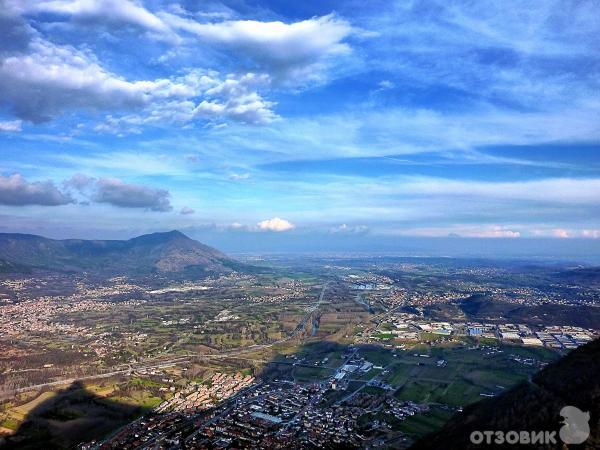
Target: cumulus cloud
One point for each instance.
(186, 211)
(16, 191)
(237, 98)
(118, 193)
(44, 80)
(40, 80)
(293, 53)
(275, 224)
(49, 79)
(10, 125)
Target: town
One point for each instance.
(357, 353)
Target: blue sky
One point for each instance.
(301, 122)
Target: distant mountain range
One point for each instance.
(536, 405)
(171, 252)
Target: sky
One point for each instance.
(274, 125)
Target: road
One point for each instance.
(358, 299)
(310, 312)
(365, 384)
(253, 348)
(124, 371)
(235, 353)
(162, 364)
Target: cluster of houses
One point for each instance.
(199, 396)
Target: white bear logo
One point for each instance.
(576, 428)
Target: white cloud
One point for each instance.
(296, 53)
(48, 79)
(293, 53)
(236, 98)
(186, 211)
(275, 224)
(40, 80)
(11, 125)
(233, 98)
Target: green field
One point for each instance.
(422, 424)
(465, 375)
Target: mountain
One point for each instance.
(573, 380)
(9, 267)
(170, 252)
